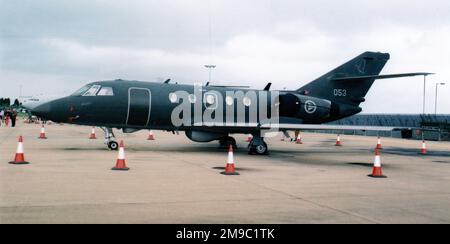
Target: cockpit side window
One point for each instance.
(92, 91)
(81, 91)
(106, 91)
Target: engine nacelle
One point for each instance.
(304, 107)
(202, 136)
(129, 130)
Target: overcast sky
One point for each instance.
(56, 46)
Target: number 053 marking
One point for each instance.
(340, 92)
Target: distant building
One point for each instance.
(435, 127)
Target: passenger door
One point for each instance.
(139, 105)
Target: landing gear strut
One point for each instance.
(110, 138)
(226, 142)
(258, 146)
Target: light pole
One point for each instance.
(436, 96)
(424, 92)
(210, 67)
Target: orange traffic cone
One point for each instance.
(20, 156)
(299, 139)
(120, 164)
(230, 168)
(379, 143)
(424, 148)
(151, 137)
(92, 136)
(338, 141)
(377, 172)
(42, 135)
(249, 138)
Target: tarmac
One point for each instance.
(175, 180)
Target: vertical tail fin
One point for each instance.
(352, 91)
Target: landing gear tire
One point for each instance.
(258, 147)
(226, 142)
(261, 149)
(113, 145)
(110, 139)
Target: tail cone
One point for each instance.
(20, 155)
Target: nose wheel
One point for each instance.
(258, 146)
(113, 145)
(110, 139)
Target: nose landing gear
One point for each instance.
(110, 139)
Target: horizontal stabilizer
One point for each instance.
(229, 86)
(378, 77)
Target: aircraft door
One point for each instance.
(139, 104)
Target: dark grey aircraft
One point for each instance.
(135, 105)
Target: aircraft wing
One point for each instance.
(331, 127)
(286, 126)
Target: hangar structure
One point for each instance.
(435, 127)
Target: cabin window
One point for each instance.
(92, 91)
(247, 101)
(173, 97)
(229, 100)
(106, 91)
(192, 98)
(81, 91)
(210, 100)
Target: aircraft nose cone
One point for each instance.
(42, 111)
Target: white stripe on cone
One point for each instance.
(121, 153)
(377, 162)
(20, 148)
(230, 157)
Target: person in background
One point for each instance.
(2, 115)
(13, 117)
(7, 114)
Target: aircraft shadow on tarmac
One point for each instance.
(303, 156)
(240, 169)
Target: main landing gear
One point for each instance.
(110, 139)
(258, 146)
(226, 142)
